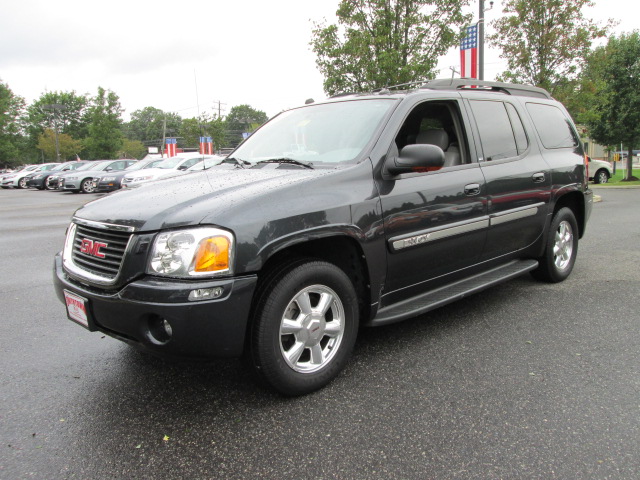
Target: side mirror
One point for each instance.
(416, 158)
(182, 167)
(108, 169)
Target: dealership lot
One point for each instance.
(525, 380)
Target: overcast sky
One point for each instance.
(180, 54)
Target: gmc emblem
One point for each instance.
(92, 248)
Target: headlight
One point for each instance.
(142, 179)
(194, 252)
(71, 178)
(105, 179)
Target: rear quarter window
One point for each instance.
(553, 127)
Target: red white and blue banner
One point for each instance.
(172, 145)
(206, 146)
(469, 53)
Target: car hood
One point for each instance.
(214, 196)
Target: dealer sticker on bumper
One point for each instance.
(76, 308)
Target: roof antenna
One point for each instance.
(195, 79)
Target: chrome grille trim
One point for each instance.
(91, 268)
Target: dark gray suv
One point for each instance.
(361, 210)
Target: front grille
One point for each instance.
(91, 244)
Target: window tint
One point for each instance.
(495, 129)
(518, 129)
(553, 127)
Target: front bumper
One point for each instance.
(200, 329)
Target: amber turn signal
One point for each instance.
(212, 255)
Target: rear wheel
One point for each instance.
(601, 176)
(22, 183)
(305, 326)
(560, 253)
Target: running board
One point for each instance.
(451, 292)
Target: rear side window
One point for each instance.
(496, 133)
(553, 126)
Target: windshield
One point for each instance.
(93, 165)
(325, 133)
(140, 165)
(208, 163)
(170, 162)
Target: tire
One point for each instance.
(305, 324)
(87, 186)
(561, 250)
(47, 185)
(22, 183)
(601, 176)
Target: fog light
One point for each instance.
(205, 294)
(160, 330)
(167, 328)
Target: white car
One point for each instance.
(164, 169)
(599, 170)
(19, 179)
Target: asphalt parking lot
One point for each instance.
(525, 380)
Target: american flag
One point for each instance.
(172, 145)
(206, 145)
(469, 53)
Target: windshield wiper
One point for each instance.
(289, 161)
(235, 160)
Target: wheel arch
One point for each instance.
(575, 202)
(342, 250)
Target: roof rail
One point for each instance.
(471, 84)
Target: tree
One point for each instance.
(615, 114)
(545, 42)
(68, 147)
(132, 149)
(192, 129)
(148, 125)
(69, 115)
(379, 43)
(243, 119)
(11, 107)
(105, 134)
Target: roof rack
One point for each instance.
(471, 84)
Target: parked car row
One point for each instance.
(103, 175)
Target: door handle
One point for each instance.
(472, 189)
(538, 177)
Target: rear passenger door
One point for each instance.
(518, 178)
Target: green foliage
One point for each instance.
(615, 113)
(243, 119)
(379, 43)
(148, 125)
(207, 126)
(105, 126)
(545, 42)
(68, 147)
(11, 107)
(132, 149)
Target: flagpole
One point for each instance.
(481, 42)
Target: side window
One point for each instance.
(553, 126)
(436, 123)
(496, 132)
(518, 129)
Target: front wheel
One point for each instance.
(87, 186)
(601, 176)
(561, 250)
(305, 326)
